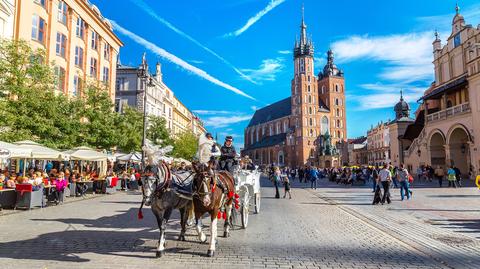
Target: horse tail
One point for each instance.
(140, 214)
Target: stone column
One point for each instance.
(448, 160)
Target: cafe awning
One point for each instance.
(40, 152)
(13, 151)
(131, 157)
(86, 154)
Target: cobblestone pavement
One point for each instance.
(309, 231)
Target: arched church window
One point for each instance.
(310, 110)
(324, 125)
(311, 122)
(336, 101)
(336, 88)
(309, 98)
(308, 87)
(338, 123)
(338, 112)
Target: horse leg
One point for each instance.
(226, 228)
(183, 221)
(161, 240)
(213, 233)
(201, 236)
(190, 215)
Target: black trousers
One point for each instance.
(386, 192)
(277, 192)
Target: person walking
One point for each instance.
(452, 178)
(375, 177)
(301, 174)
(458, 175)
(286, 184)
(393, 171)
(402, 177)
(439, 174)
(385, 178)
(313, 175)
(276, 178)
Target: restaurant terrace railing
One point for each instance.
(449, 112)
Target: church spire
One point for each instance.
(457, 8)
(303, 29)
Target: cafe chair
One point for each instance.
(113, 186)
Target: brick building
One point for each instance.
(299, 129)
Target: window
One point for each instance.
(80, 30)
(323, 89)
(79, 57)
(93, 67)
(308, 88)
(336, 101)
(324, 125)
(336, 87)
(311, 122)
(285, 126)
(338, 112)
(60, 78)
(40, 2)
(38, 29)
(309, 99)
(62, 12)
(456, 40)
(106, 74)
(310, 110)
(94, 40)
(106, 52)
(77, 85)
(61, 45)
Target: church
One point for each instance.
(309, 127)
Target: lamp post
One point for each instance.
(147, 81)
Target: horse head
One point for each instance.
(203, 182)
(153, 177)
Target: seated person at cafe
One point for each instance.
(81, 188)
(11, 182)
(60, 183)
(36, 181)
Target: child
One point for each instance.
(286, 184)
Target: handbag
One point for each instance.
(410, 179)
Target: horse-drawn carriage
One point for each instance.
(248, 188)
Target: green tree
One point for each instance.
(157, 131)
(185, 146)
(130, 127)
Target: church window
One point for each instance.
(310, 110)
(338, 123)
(256, 133)
(338, 134)
(278, 127)
(270, 130)
(308, 78)
(308, 88)
(251, 136)
(323, 89)
(456, 40)
(324, 125)
(338, 112)
(336, 101)
(285, 126)
(311, 122)
(336, 88)
(311, 133)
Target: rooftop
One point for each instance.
(274, 111)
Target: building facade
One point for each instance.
(305, 127)
(449, 126)
(77, 39)
(160, 99)
(357, 151)
(7, 18)
(378, 143)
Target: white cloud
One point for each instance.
(257, 17)
(267, 70)
(176, 60)
(141, 4)
(284, 52)
(392, 88)
(385, 100)
(407, 57)
(196, 61)
(224, 121)
(254, 108)
(211, 112)
(443, 22)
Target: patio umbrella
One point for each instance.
(40, 152)
(131, 157)
(86, 154)
(13, 151)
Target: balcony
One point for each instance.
(449, 112)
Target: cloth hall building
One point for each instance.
(305, 128)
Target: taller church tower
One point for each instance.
(304, 117)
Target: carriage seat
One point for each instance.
(182, 183)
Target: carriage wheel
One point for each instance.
(257, 202)
(244, 209)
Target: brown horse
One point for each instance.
(212, 192)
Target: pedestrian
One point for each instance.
(439, 174)
(375, 177)
(301, 174)
(385, 178)
(276, 178)
(402, 177)
(313, 175)
(452, 178)
(286, 184)
(458, 175)
(394, 170)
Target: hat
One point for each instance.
(208, 135)
(229, 138)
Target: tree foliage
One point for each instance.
(185, 146)
(157, 131)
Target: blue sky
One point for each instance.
(225, 58)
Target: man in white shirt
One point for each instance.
(385, 177)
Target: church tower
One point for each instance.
(331, 85)
(304, 116)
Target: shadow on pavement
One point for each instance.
(460, 225)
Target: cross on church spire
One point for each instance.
(457, 8)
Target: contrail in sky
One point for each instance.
(141, 4)
(174, 59)
(273, 4)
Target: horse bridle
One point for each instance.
(205, 177)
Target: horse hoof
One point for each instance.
(210, 253)
(159, 254)
(225, 234)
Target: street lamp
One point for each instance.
(147, 81)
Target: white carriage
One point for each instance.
(248, 187)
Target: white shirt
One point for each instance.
(385, 175)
